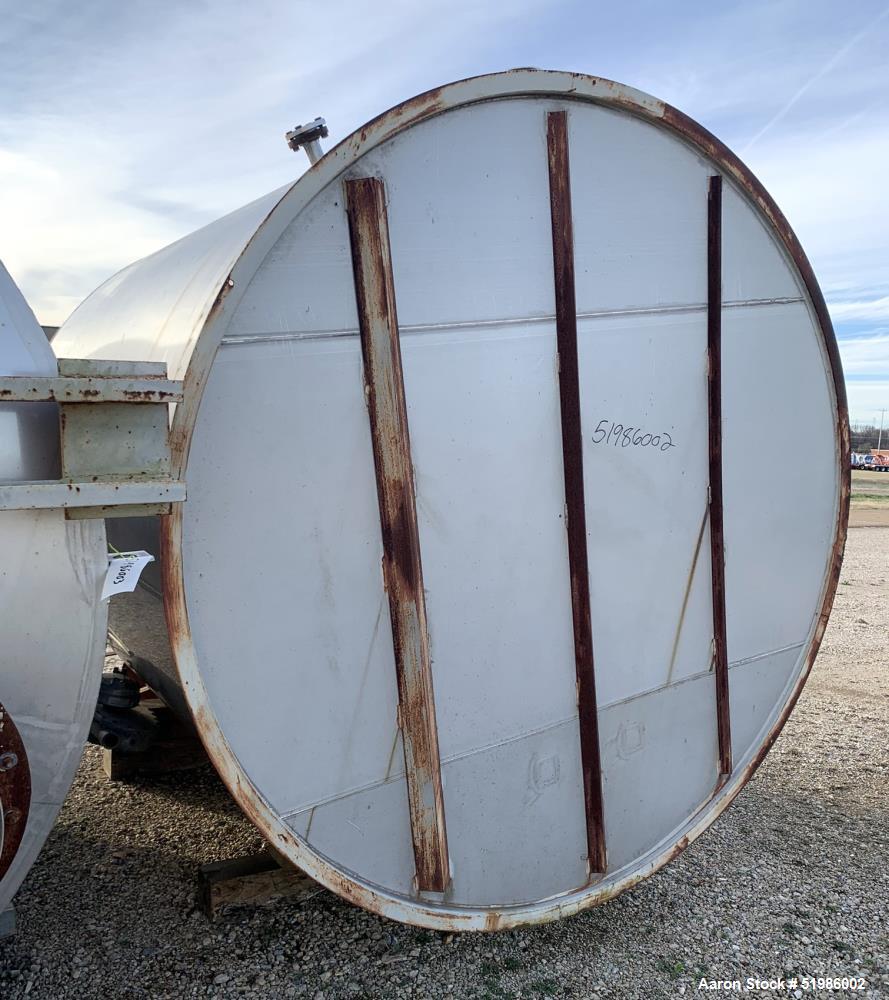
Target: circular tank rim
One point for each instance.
(513, 83)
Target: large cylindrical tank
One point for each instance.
(489, 595)
(52, 621)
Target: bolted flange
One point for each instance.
(306, 137)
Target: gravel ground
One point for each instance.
(793, 880)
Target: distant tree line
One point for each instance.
(865, 436)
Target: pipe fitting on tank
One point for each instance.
(306, 137)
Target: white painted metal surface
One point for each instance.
(271, 575)
(52, 627)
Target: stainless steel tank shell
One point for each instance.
(52, 627)
(499, 668)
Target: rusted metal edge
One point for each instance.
(15, 789)
(89, 389)
(714, 422)
(402, 567)
(732, 166)
(102, 368)
(66, 494)
(575, 505)
(575, 88)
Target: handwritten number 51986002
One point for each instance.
(608, 432)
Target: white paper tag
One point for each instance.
(124, 570)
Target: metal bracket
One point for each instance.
(114, 440)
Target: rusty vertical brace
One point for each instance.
(714, 412)
(572, 455)
(402, 568)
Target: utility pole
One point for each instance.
(880, 438)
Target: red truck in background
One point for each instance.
(876, 461)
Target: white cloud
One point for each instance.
(866, 400)
(869, 309)
(61, 231)
(866, 367)
(123, 127)
(832, 62)
(866, 355)
(807, 83)
(835, 195)
(127, 126)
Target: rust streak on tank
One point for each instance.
(150, 395)
(572, 454)
(221, 295)
(714, 412)
(402, 568)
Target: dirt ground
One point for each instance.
(870, 500)
(793, 880)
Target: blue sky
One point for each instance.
(124, 126)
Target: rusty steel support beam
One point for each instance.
(572, 455)
(402, 568)
(714, 413)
